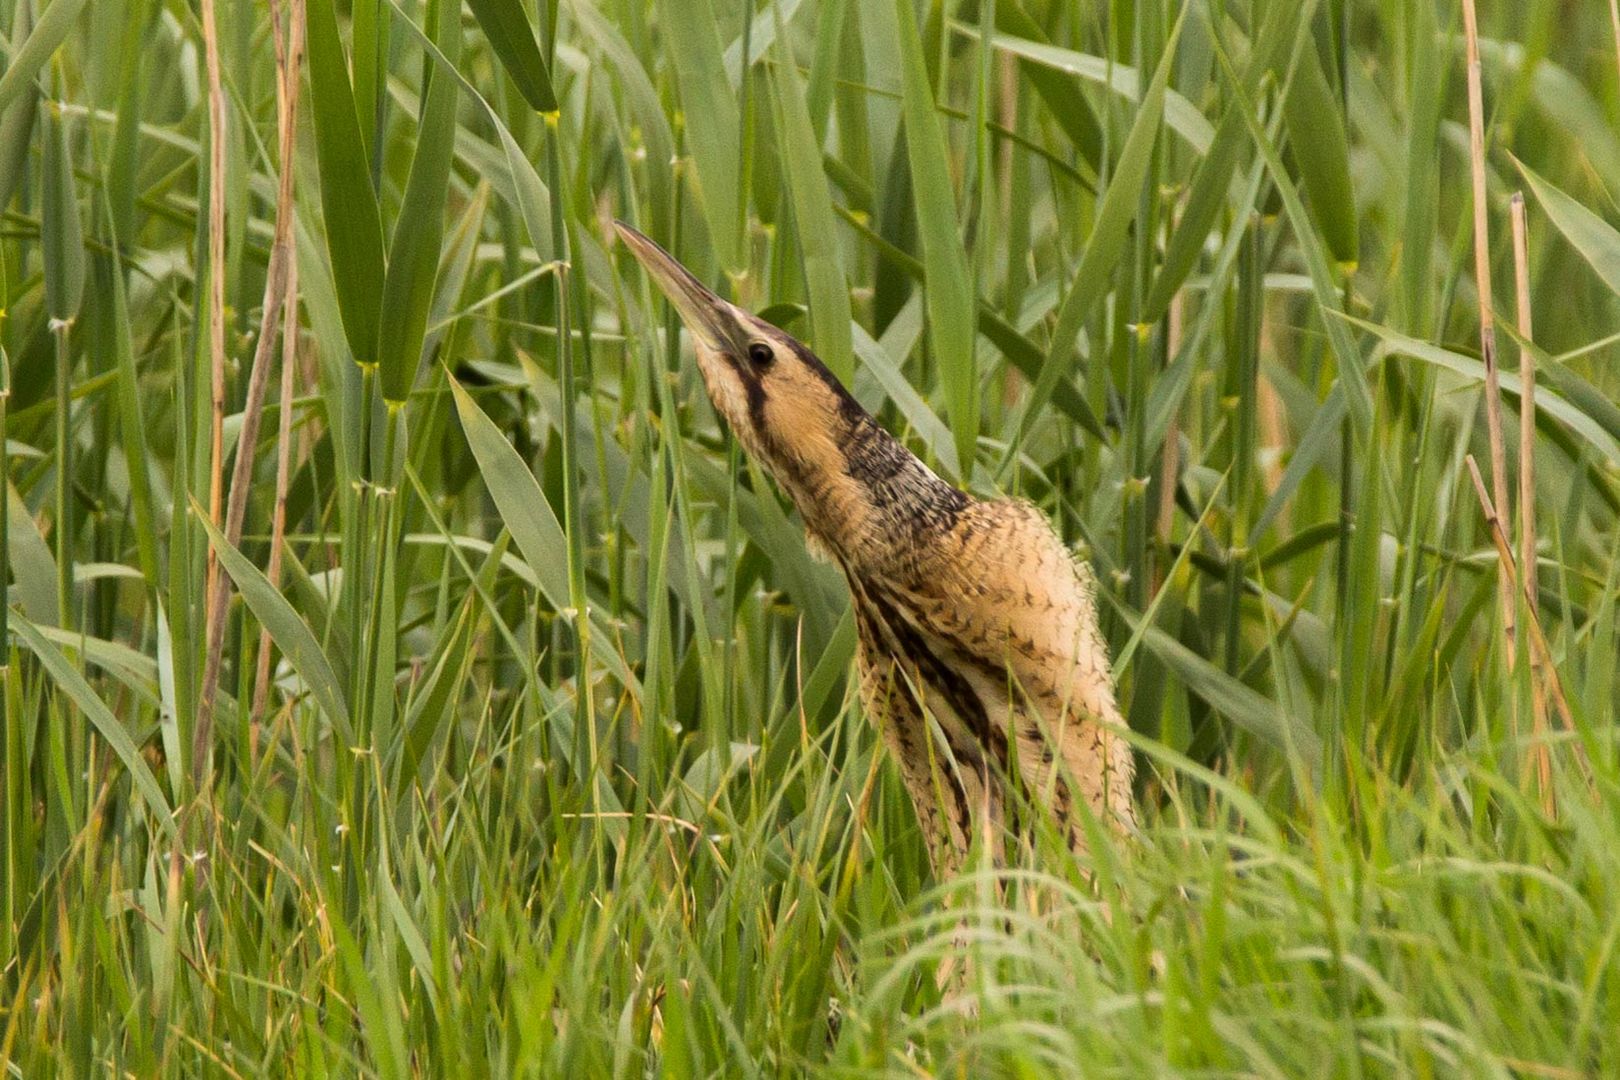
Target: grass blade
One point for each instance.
(529, 192)
(506, 25)
(713, 122)
(1352, 376)
(1322, 152)
(1095, 274)
(41, 43)
(413, 258)
(948, 286)
(1595, 239)
(354, 236)
(1180, 115)
(289, 632)
(1589, 427)
(527, 514)
(812, 213)
(17, 118)
(73, 684)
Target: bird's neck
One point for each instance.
(868, 500)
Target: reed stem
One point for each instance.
(1487, 315)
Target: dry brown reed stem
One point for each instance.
(216, 285)
(1527, 491)
(1487, 315)
(1527, 400)
(1538, 639)
(278, 521)
(289, 54)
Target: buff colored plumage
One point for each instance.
(969, 613)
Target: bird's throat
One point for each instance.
(870, 502)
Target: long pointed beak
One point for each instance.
(705, 315)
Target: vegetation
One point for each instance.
(529, 747)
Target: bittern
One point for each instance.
(979, 655)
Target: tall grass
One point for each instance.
(559, 771)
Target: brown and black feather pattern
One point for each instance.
(980, 658)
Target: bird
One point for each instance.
(979, 656)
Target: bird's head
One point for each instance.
(851, 481)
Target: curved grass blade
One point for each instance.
(812, 212)
(1589, 427)
(712, 124)
(949, 292)
(1245, 707)
(49, 32)
(531, 195)
(1595, 239)
(1322, 152)
(1063, 99)
(71, 683)
(1180, 115)
(287, 630)
(527, 515)
(1094, 276)
(413, 259)
(506, 25)
(353, 222)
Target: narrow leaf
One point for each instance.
(506, 25)
(71, 683)
(949, 291)
(1595, 239)
(49, 32)
(17, 117)
(532, 198)
(1211, 184)
(713, 123)
(413, 262)
(526, 513)
(1181, 115)
(1351, 373)
(1245, 707)
(33, 567)
(287, 630)
(1054, 84)
(812, 212)
(354, 237)
(1094, 275)
(1322, 152)
(1607, 442)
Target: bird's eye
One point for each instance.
(760, 354)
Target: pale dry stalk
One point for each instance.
(216, 288)
(289, 54)
(1527, 493)
(278, 522)
(1487, 316)
(1538, 639)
